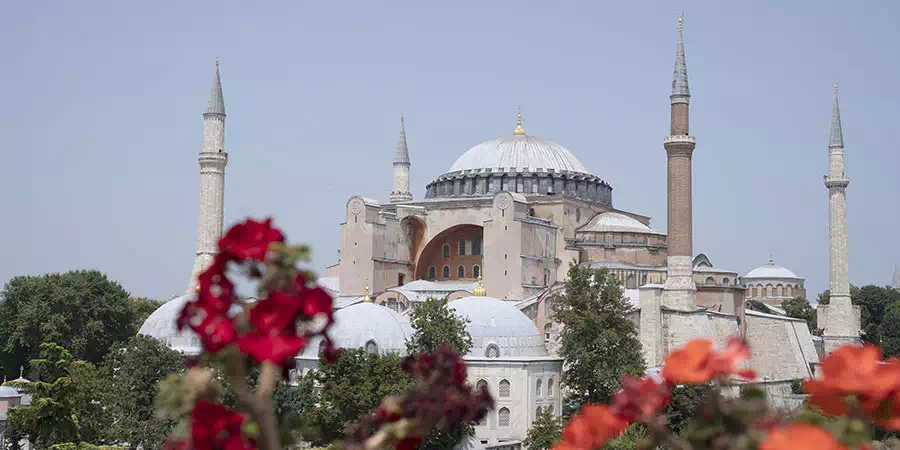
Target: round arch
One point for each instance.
(466, 242)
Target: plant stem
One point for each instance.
(266, 418)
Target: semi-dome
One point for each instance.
(499, 329)
(771, 270)
(366, 325)
(519, 153)
(617, 223)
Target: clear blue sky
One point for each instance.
(101, 102)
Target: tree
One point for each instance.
(141, 308)
(799, 308)
(598, 343)
(351, 387)
(83, 309)
(889, 330)
(874, 302)
(685, 403)
(132, 373)
(545, 431)
(65, 405)
(629, 439)
(435, 324)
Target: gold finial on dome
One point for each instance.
(366, 298)
(479, 290)
(771, 261)
(519, 131)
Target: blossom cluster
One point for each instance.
(274, 320)
(441, 400)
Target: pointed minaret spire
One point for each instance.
(401, 191)
(402, 149)
(680, 91)
(216, 104)
(836, 137)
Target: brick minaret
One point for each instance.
(680, 291)
(401, 169)
(213, 160)
(840, 323)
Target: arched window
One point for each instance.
(322, 347)
(539, 387)
(432, 273)
(725, 281)
(768, 290)
(550, 410)
(630, 283)
(643, 279)
(537, 412)
(503, 417)
(492, 351)
(460, 271)
(531, 212)
(504, 388)
(790, 291)
(446, 272)
(550, 388)
(445, 250)
(710, 281)
(779, 291)
(481, 385)
(476, 271)
(371, 348)
(548, 329)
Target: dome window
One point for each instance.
(504, 388)
(503, 417)
(710, 281)
(493, 352)
(371, 348)
(725, 281)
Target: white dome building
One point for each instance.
(773, 284)
(162, 325)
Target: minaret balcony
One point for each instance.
(679, 139)
(840, 181)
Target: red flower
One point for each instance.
(214, 426)
(640, 398)
(277, 313)
(249, 240)
(592, 428)
(215, 291)
(214, 329)
(698, 363)
(275, 348)
(800, 436)
(317, 301)
(409, 443)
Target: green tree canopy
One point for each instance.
(83, 309)
(66, 404)
(132, 374)
(544, 432)
(598, 343)
(889, 331)
(435, 324)
(799, 308)
(351, 387)
(874, 303)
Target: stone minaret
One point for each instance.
(213, 160)
(401, 169)
(840, 322)
(680, 290)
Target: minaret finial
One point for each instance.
(479, 289)
(835, 88)
(771, 260)
(681, 22)
(519, 131)
(217, 63)
(366, 298)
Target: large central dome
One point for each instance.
(519, 153)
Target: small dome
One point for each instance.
(771, 271)
(616, 222)
(161, 325)
(520, 153)
(499, 329)
(364, 324)
(9, 392)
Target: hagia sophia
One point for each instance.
(496, 235)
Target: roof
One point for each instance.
(330, 284)
(162, 326)
(402, 150)
(836, 136)
(499, 323)
(616, 222)
(680, 78)
(9, 392)
(521, 153)
(771, 271)
(358, 324)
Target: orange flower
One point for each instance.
(698, 363)
(592, 428)
(854, 370)
(800, 436)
